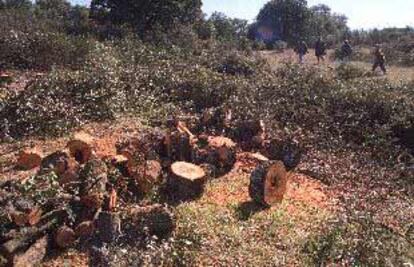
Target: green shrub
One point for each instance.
(29, 43)
(350, 71)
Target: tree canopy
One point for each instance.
(146, 14)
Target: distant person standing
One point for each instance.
(346, 51)
(302, 50)
(320, 50)
(379, 60)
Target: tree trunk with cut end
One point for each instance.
(219, 152)
(25, 213)
(66, 167)
(81, 147)
(268, 183)
(85, 229)
(250, 133)
(284, 150)
(29, 159)
(152, 220)
(33, 256)
(108, 225)
(186, 180)
(150, 176)
(25, 238)
(177, 146)
(65, 237)
(93, 177)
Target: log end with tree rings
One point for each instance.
(186, 180)
(268, 183)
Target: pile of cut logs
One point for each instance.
(78, 195)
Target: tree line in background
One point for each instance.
(42, 32)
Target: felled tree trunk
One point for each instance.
(81, 147)
(66, 167)
(268, 183)
(25, 212)
(33, 256)
(186, 181)
(284, 150)
(219, 152)
(250, 134)
(150, 176)
(177, 146)
(151, 220)
(29, 159)
(85, 229)
(94, 177)
(108, 226)
(65, 237)
(25, 238)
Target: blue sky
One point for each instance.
(361, 13)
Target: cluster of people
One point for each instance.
(345, 53)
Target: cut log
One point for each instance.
(145, 146)
(85, 229)
(66, 167)
(93, 177)
(33, 256)
(108, 226)
(81, 147)
(99, 257)
(286, 151)
(177, 146)
(29, 159)
(186, 180)
(221, 153)
(25, 238)
(250, 133)
(25, 213)
(155, 220)
(65, 237)
(150, 177)
(268, 183)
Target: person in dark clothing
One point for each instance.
(302, 50)
(346, 51)
(320, 50)
(379, 60)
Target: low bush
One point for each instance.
(32, 44)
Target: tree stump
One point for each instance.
(151, 220)
(81, 147)
(284, 150)
(186, 180)
(268, 183)
(93, 177)
(33, 256)
(29, 159)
